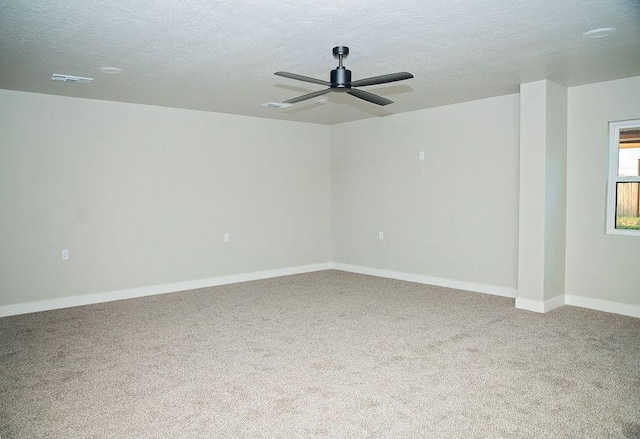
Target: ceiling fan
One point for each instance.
(341, 81)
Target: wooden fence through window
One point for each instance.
(628, 200)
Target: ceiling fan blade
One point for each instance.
(302, 78)
(382, 79)
(307, 96)
(370, 97)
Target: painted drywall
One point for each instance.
(598, 266)
(543, 164)
(143, 195)
(453, 215)
(531, 231)
(555, 190)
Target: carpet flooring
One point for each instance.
(320, 355)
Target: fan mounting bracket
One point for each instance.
(340, 51)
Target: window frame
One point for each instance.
(614, 149)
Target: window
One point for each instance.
(623, 196)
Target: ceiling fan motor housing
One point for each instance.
(341, 79)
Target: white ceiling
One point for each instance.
(221, 55)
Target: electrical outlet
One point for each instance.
(65, 255)
(421, 155)
(227, 237)
(380, 235)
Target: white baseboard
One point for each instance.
(88, 299)
(417, 278)
(580, 301)
(538, 305)
(521, 303)
(603, 305)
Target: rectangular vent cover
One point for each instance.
(276, 105)
(67, 78)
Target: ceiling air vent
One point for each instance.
(277, 105)
(67, 78)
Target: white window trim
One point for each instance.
(614, 148)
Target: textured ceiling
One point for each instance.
(221, 55)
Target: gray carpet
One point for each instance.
(327, 354)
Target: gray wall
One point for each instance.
(142, 195)
(453, 215)
(599, 266)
